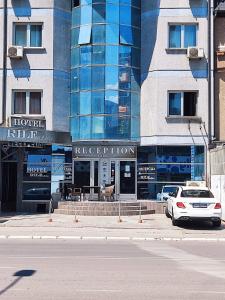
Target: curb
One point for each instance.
(107, 238)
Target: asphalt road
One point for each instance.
(102, 270)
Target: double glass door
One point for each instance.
(105, 172)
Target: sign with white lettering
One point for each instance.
(28, 123)
(34, 136)
(104, 151)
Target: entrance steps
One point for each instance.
(93, 208)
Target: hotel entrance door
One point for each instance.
(105, 171)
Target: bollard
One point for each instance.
(75, 214)
(50, 211)
(119, 217)
(140, 218)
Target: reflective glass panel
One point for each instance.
(175, 36)
(98, 127)
(111, 102)
(99, 13)
(85, 78)
(112, 55)
(85, 128)
(125, 15)
(86, 14)
(85, 103)
(75, 57)
(76, 16)
(124, 78)
(111, 127)
(112, 13)
(85, 35)
(174, 104)
(190, 36)
(75, 104)
(98, 78)
(98, 102)
(112, 34)
(75, 129)
(35, 35)
(74, 79)
(135, 104)
(85, 55)
(98, 34)
(135, 128)
(126, 36)
(21, 35)
(75, 36)
(98, 57)
(124, 105)
(125, 55)
(111, 77)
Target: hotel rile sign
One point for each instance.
(104, 151)
(29, 123)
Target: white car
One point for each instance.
(189, 203)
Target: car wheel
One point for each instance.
(167, 213)
(216, 223)
(174, 221)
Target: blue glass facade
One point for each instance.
(105, 75)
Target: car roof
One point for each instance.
(195, 188)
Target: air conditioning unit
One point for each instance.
(195, 53)
(15, 52)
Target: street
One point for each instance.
(64, 269)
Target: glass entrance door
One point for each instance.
(105, 172)
(127, 180)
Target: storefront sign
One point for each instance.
(34, 136)
(146, 172)
(24, 144)
(104, 151)
(28, 123)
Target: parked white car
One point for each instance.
(189, 203)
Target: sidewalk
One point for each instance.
(63, 226)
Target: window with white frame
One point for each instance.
(182, 103)
(182, 35)
(28, 35)
(27, 102)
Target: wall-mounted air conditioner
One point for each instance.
(195, 53)
(15, 52)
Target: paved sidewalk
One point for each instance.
(63, 226)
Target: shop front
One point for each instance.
(26, 166)
(96, 167)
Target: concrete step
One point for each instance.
(101, 208)
(102, 212)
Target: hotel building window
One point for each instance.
(28, 35)
(27, 102)
(182, 35)
(182, 103)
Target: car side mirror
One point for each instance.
(165, 198)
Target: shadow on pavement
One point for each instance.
(19, 274)
(200, 225)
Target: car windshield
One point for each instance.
(169, 189)
(197, 194)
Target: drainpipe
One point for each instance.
(209, 73)
(4, 73)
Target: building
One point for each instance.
(163, 86)
(217, 158)
(140, 94)
(34, 85)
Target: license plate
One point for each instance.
(200, 205)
